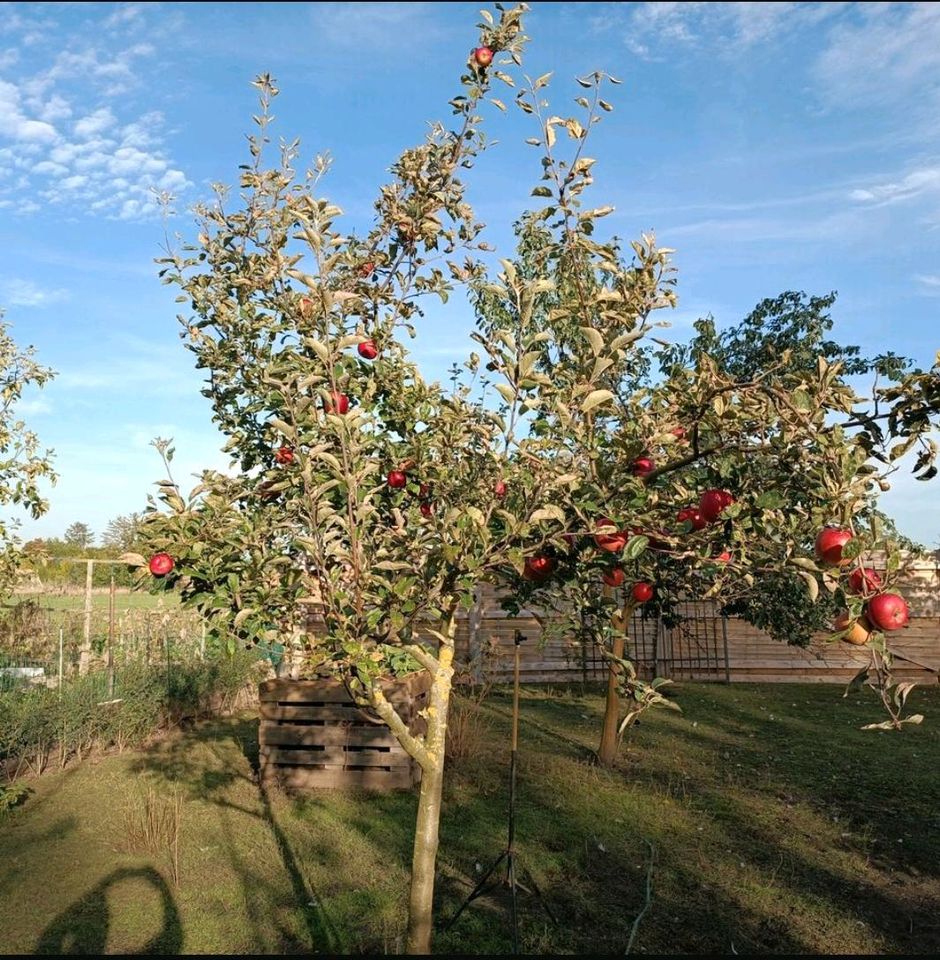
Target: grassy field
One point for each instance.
(776, 826)
(123, 600)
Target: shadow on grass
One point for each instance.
(83, 927)
(767, 874)
(173, 760)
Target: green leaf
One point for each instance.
(635, 547)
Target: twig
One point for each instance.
(649, 898)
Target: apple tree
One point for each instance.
(24, 464)
(358, 488)
(696, 472)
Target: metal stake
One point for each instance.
(509, 854)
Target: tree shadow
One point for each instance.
(83, 927)
(173, 760)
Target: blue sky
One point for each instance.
(775, 146)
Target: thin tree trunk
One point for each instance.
(421, 902)
(607, 751)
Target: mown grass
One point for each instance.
(776, 827)
(123, 600)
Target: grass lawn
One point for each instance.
(777, 827)
(123, 600)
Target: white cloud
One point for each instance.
(126, 13)
(376, 26)
(25, 293)
(95, 123)
(33, 407)
(913, 184)
(108, 165)
(14, 124)
(650, 30)
(930, 284)
(883, 54)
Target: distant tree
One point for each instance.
(79, 535)
(23, 464)
(122, 532)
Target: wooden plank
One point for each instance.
(312, 778)
(333, 691)
(332, 712)
(337, 757)
(274, 734)
(303, 691)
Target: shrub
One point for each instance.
(38, 723)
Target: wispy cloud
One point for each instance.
(882, 55)
(25, 293)
(911, 185)
(929, 283)
(32, 407)
(374, 26)
(653, 30)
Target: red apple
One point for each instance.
(500, 489)
(366, 269)
(678, 432)
(539, 567)
(337, 403)
(723, 557)
(613, 540)
(426, 509)
(396, 479)
(161, 564)
(713, 503)
(614, 577)
(424, 490)
(642, 592)
(306, 306)
(858, 630)
(692, 515)
(643, 466)
(888, 611)
(829, 544)
(368, 350)
(864, 581)
(483, 56)
(284, 455)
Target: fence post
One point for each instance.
(724, 637)
(61, 659)
(111, 639)
(85, 657)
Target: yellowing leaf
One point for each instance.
(594, 338)
(596, 398)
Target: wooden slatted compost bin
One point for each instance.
(313, 735)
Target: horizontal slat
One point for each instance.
(335, 712)
(307, 778)
(337, 757)
(272, 734)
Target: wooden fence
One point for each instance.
(707, 646)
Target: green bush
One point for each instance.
(39, 725)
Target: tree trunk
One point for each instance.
(607, 752)
(421, 902)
